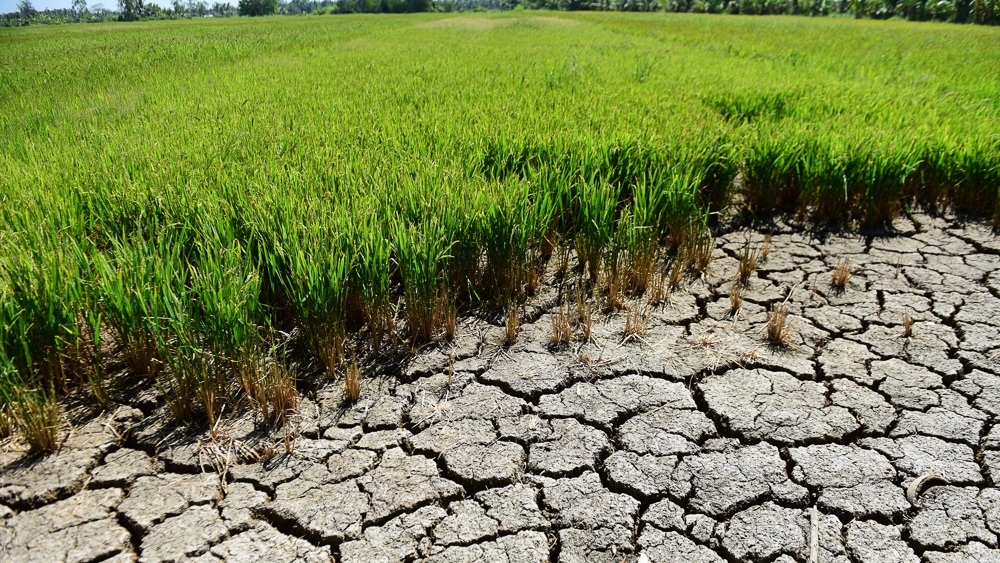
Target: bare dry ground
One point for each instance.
(693, 440)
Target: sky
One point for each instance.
(11, 5)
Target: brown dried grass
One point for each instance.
(841, 275)
(777, 331)
(736, 297)
(352, 383)
(907, 325)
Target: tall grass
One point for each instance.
(185, 199)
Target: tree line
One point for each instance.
(983, 12)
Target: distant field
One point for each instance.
(175, 194)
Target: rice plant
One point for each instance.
(144, 221)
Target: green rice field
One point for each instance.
(197, 201)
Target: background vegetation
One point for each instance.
(193, 202)
(983, 12)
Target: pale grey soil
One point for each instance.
(696, 442)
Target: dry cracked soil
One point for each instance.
(695, 442)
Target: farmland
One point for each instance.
(197, 202)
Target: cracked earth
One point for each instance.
(696, 443)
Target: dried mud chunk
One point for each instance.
(404, 538)
(917, 455)
(445, 436)
(327, 511)
(831, 319)
(984, 388)
(949, 516)
(645, 476)
(853, 301)
(30, 481)
(474, 401)
(402, 483)
(852, 481)
(605, 402)
(719, 483)
(670, 354)
(269, 474)
(595, 546)
(928, 347)
(350, 463)
(179, 537)
(154, 498)
(492, 465)
(671, 547)
(341, 436)
(524, 429)
(122, 468)
(573, 447)
(665, 431)
(515, 508)
(76, 529)
(467, 523)
(907, 386)
(471, 453)
(264, 543)
(382, 440)
(241, 504)
(871, 542)
(989, 503)
(767, 405)
(583, 502)
(980, 308)
(980, 338)
(846, 358)
(386, 414)
(974, 552)
(895, 305)
(525, 547)
(765, 531)
(665, 515)
(941, 423)
(529, 375)
(872, 411)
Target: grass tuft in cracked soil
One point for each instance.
(777, 331)
(561, 329)
(736, 297)
(512, 324)
(352, 383)
(750, 255)
(841, 275)
(635, 323)
(907, 325)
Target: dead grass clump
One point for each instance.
(777, 331)
(6, 423)
(561, 329)
(613, 298)
(841, 275)
(513, 324)
(584, 314)
(278, 395)
(766, 249)
(635, 323)
(352, 383)
(736, 297)
(749, 258)
(907, 325)
(658, 290)
(678, 270)
(450, 321)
